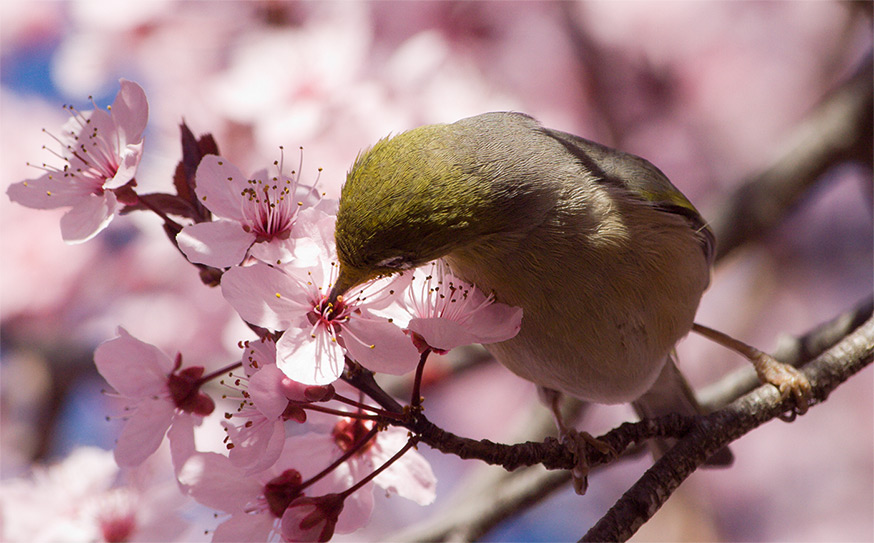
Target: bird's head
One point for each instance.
(407, 200)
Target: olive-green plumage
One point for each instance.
(606, 258)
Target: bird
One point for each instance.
(606, 257)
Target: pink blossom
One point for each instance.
(159, 391)
(318, 333)
(258, 502)
(257, 214)
(101, 152)
(312, 519)
(87, 498)
(409, 477)
(448, 312)
(256, 429)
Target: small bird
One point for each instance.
(606, 258)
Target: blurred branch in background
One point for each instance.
(837, 131)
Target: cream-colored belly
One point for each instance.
(598, 321)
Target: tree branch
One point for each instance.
(838, 130)
(718, 429)
(793, 351)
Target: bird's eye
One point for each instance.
(396, 263)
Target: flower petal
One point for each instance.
(379, 346)
(264, 296)
(308, 356)
(144, 431)
(219, 243)
(212, 480)
(260, 447)
(130, 111)
(49, 191)
(266, 391)
(276, 251)
(220, 187)
(243, 527)
(410, 476)
(88, 217)
(133, 368)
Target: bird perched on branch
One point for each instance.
(607, 259)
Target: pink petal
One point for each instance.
(264, 296)
(411, 476)
(261, 447)
(50, 191)
(309, 360)
(357, 510)
(130, 111)
(309, 454)
(258, 354)
(220, 187)
(381, 293)
(276, 251)
(220, 243)
(133, 368)
(380, 346)
(144, 431)
(212, 480)
(245, 527)
(181, 437)
(442, 333)
(129, 161)
(497, 322)
(88, 217)
(266, 391)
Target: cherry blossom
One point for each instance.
(318, 332)
(87, 498)
(160, 393)
(101, 152)
(256, 429)
(257, 214)
(448, 312)
(320, 483)
(257, 503)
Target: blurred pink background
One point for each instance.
(706, 91)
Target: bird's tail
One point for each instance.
(671, 393)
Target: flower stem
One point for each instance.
(416, 400)
(410, 443)
(365, 407)
(345, 456)
(217, 373)
(339, 413)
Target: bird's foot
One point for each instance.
(788, 380)
(580, 443)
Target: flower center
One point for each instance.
(269, 208)
(281, 490)
(349, 432)
(331, 314)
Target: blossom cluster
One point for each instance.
(268, 240)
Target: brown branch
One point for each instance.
(718, 429)
(792, 351)
(838, 130)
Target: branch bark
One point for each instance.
(837, 131)
(720, 428)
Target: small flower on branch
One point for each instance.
(100, 151)
(257, 214)
(160, 394)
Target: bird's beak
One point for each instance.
(347, 279)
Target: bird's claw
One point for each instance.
(580, 442)
(788, 380)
